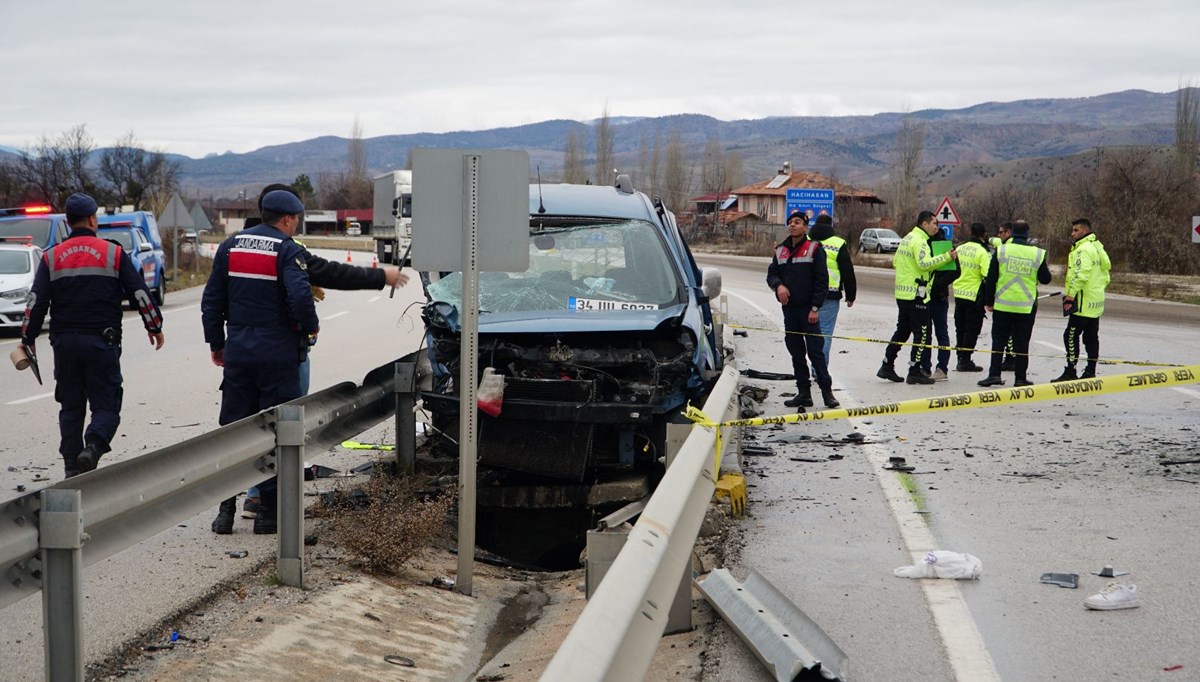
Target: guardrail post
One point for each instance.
(61, 537)
(289, 461)
(406, 421)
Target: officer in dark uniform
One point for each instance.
(259, 321)
(83, 282)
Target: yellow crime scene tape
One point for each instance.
(1102, 361)
(1117, 383)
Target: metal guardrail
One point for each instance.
(619, 629)
(124, 503)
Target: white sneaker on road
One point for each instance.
(1113, 597)
(939, 374)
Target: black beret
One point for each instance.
(79, 204)
(797, 214)
(282, 202)
(824, 219)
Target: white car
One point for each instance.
(18, 265)
(879, 240)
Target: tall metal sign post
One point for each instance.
(470, 213)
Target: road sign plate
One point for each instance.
(1196, 229)
(946, 213)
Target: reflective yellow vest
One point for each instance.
(832, 246)
(1016, 286)
(914, 262)
(1087, 276)
(974, 261)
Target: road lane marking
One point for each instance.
(373, 299)
(754, 305)
(30, 399)
(176, 310)
(1186, 391)
(335, 315)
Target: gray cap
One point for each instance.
(79, 204)
(282, 202)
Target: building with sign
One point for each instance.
(853, 207)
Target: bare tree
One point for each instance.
(711, 166)
(1187, 129)
(735, 171)
(358, 185)
(677, 177)
(642, 181)
(910, 144)
(133, 175)
(54, 168)
(13, 189)
(573, 172)
(654, 177)
(604, 149)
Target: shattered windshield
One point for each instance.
(598, 267)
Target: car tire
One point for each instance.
(862, 248)
(160, 291)
(879, 248)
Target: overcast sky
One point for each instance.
(206, 77)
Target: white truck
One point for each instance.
(392, 227)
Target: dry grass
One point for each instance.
(391, 524)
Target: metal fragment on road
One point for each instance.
(1070, 580)
(782, 636)
(1109, 572)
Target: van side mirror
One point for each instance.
(144, 247)
(711, 282)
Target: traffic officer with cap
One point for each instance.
(1010, 292)
(259, 320)
(841, 278)
(82, 283)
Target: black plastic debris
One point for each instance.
(895, 463)
(402, 661)
(1109, 572)
(1070, 580)
(767, 376)
(757, 451)
(237, 554)
(741, 332)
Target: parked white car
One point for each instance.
(879, 240)
(18, 265)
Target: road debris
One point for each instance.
(1109, 572)
(1070, 580)
(943, 564)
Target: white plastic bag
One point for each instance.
(490, 397)
(942, 564)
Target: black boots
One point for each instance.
(1067, 375)
(89, 458)
(830, 401)
(265, 522)
(887, 371)
(1089, 372)
(967, 366)
(992, 381)
(916, 376)
(223, 524)
(803, 398)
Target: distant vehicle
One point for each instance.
(879, 240)
(43, 228)
(392, 206)
(354, 229)
(18, 265)
(148, 258)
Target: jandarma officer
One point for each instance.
(259, 320)
(82, 283)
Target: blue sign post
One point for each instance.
(814, 202)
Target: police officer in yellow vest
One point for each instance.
(841, 277)
(914, 263)
(1003, 234)
(1010, 292)
(974, 262)
(1083, 298)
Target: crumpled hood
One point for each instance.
(564, 321)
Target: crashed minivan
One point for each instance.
(601, 343)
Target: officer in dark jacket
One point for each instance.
(799, 277)
(83, 282)
(259, 321)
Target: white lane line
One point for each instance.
(30, 399)
(960, 635)
(176, 310)
(335, 316)
(373, 299)
(1186, 391)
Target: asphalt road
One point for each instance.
(171, 395)
(1062, 486)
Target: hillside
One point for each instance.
(984, 137)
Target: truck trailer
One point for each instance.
(392, 229)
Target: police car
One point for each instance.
(147, 259)
(37, 224)
(18, 264)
